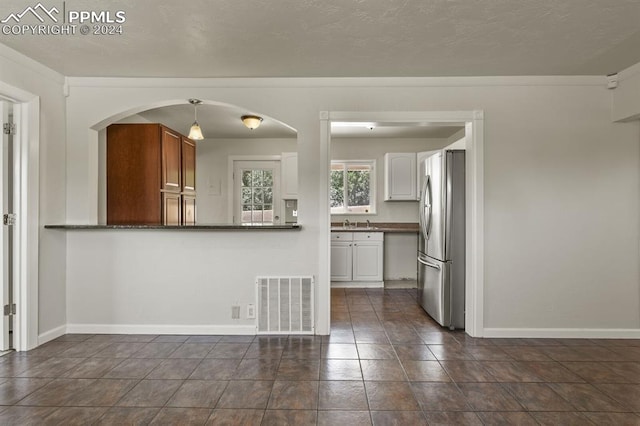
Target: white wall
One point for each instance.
(172, 281)
(22, 73)
(212, 174)
(561, 185)
(457, 140)
(626, 97)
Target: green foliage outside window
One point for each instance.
(351, 187)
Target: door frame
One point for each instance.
(6, 246)
(473, 121)
(26, 186)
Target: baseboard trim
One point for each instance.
(357, 284)
(564, 333)
(54, 333)
(161, 329)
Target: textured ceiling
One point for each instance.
(332, 38)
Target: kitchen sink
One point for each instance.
(354, 228)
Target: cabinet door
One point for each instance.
(171, 208)
(289, 179)
(367, 260)
(133, 174)
(188, 210)
(400, 176)
(171, 164)
(188, 165)
(341, 260)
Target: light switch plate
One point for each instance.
(251, 311)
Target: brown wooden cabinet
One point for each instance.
(188, 209)
(188, 165)
(150, 176)
(171, 211)
(171, 145)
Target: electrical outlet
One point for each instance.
(235, 312)
(251, 311)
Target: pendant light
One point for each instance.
(195, 132)
(251, 121)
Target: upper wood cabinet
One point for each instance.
(188, 165)
(400, 182)
(150, 168)
(171, 167)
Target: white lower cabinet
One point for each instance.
(357, 256)
(341, 260)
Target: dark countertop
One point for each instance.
(212, 227)
(387, 227)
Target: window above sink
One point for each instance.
(352, 187)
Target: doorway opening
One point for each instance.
(20, 114)
(225, 137)
(471, 125)
(256, 192)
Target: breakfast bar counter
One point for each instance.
(212, 227)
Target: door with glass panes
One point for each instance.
(256, 192)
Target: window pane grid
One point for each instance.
(257, 197)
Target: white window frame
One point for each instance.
(372, 188)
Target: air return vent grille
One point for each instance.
(285, 305)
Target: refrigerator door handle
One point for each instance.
(431, 265)
(429, 206)
(426, 205)
(423, 200)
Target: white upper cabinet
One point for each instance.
(400, 182)
(289, 171)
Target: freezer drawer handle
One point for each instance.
(431, 265)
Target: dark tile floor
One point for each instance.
(386, 362)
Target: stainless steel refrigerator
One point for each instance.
(441, 247)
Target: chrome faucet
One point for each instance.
(368, 223)
(346, 223)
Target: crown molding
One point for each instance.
(11, 55)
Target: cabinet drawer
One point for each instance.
(368, 236)
(342, 236)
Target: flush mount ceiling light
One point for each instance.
(368, 125)
(195, 132)
(251, 121)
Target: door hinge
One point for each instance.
(10, 309)
(9, 219)
(9, 128)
